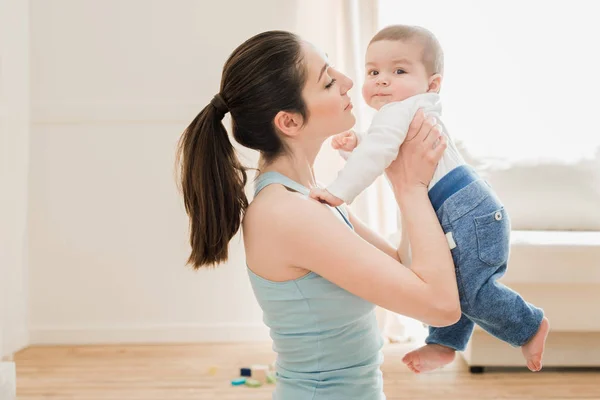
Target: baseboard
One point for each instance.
(192, 333)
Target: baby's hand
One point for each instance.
(346, 141)
(324, 196)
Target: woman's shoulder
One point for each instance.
(277, 224)
(276, 203)
(285, 216)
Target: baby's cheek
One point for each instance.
(367, 89)
(367, 92)
(408, 89)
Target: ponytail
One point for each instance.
(263, 76)
(212, 183)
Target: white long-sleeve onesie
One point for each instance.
(379, 147)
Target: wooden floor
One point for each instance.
(183, 372)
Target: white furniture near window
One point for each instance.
(558, 271)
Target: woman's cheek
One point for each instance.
(326, 107)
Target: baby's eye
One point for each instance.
(400, 71)
(373, 73)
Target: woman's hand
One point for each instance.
(418, 156)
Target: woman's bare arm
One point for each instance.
(373, 237)
(308, 236)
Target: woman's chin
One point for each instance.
(348, 124)
(352, 121)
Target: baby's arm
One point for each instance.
(324, 196)
(359, 138)
(376, 151)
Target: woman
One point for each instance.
(317, 272)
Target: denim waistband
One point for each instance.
(455, 180)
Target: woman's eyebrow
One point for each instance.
(322, 71)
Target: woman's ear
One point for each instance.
(289, 124)
(435, 83)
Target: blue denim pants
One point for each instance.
(478, 230)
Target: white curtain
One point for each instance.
(343, 29)
(14, 172)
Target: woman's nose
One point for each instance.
(345, 83)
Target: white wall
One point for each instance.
(114, 84)
(14, 156)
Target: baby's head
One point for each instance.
(402, 61)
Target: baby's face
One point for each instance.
(394, 72)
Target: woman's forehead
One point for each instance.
(315, 60)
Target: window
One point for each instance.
(521, 77)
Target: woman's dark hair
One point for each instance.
(263, 76)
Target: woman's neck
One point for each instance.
(297, 164)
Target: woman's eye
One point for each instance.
(330, 84)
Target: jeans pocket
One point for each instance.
(493, 237)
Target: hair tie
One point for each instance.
(219, 104)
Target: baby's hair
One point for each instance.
(433, 56)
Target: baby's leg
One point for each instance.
(441, 346)
(503, 313)
(483, 237)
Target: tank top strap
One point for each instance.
(272, 177)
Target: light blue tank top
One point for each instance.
(327, 340)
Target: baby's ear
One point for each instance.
(435, 83)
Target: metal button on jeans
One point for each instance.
(498, 216)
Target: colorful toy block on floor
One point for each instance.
(238, 382)
(259, 372)
(253, 383)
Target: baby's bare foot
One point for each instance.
(428, 358)
(533, 351)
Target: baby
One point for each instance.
(404, 67)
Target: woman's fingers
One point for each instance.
(435, 144)
(432, 136)
(415, 125)
(426, 129)
(437, 152)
